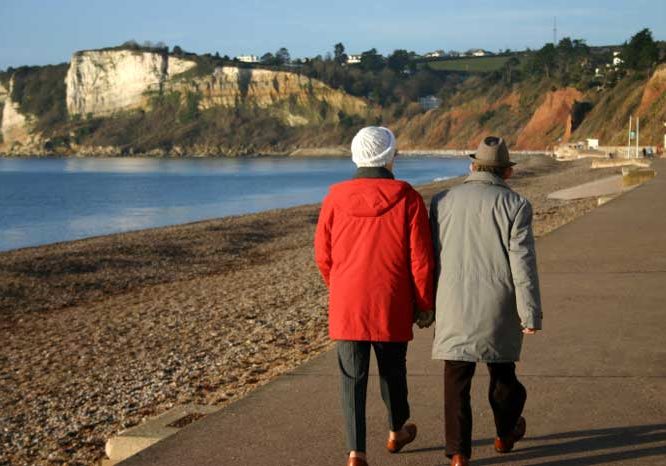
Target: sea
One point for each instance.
(50, 200)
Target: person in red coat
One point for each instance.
(374, 250)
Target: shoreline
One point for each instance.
(307, 152)
(204, 312)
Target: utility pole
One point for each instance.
(638, 133)
(555, 30)
(629, 140)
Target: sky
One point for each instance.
(38, 32)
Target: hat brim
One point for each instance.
(491, 163)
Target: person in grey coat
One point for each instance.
(487, 295)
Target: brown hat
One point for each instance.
(492, 152)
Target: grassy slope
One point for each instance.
(609, 118)
(471, 65)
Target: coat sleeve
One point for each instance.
(421, 254)
(322, 244)
(435, 233)
(522, 258)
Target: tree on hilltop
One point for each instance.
(399, 60)
(282, 56)
(509, 68)
(641, 52)
(268, 59)
(371, 60)
(339, 54)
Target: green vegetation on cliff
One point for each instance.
(41, 91)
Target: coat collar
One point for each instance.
(373, 172)
(485, 177)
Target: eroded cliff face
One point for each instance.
(16, 128)
(230, 87)
(101, 83)
(3, 97)
(105, 82)
(3, 94)
(655, 90)
(550, 121)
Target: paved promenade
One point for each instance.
(596, 375)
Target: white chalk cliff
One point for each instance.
(102, 83)
(16, 127)
(107, 81)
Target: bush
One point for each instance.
(486, 117)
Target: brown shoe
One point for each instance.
(459, 460)
(394, 446)
(356, 462)
(505, 444)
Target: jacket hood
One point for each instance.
(368, 197)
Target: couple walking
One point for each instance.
(387, 266)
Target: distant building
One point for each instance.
(478, 53)
(353, 59)
(430, 102)
(248, 58)
(435, 54)
(617, 61)
(592, 143)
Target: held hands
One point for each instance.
(425, 319)
(530, 331)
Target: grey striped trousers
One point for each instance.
(354, 363)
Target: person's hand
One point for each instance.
(530, 331)
(425, 319)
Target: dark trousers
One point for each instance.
(506, 395)
(354, 363)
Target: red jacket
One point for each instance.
(374, 250)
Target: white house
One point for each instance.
(478, 53)
(353, 59)
(248, 58)
(435, 54)
(592, 143)
(430, 102)
(617, 61)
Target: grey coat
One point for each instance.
(487, 283)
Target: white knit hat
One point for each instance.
(373, 146)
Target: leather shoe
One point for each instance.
(356, 462)
(505, 444)
(459, 460)
(394, 446)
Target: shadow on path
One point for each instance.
(627, 442)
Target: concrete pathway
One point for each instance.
(609, 186)
(596, 376)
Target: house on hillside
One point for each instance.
(478, 53)
(617, 60)
(353, 59)
(430, 102)
(435, 54)
(248, 58)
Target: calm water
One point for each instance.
(50, 200)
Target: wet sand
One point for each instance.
(101, 333)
